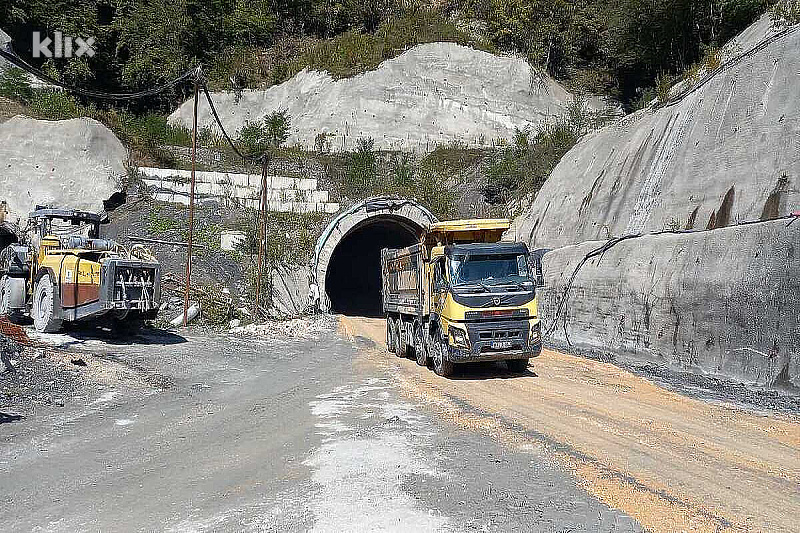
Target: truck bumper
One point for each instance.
(497, 341)
(461, 355)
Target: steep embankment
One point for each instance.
(723, 151)
(727, 151)
(432, 94)
(75, 163)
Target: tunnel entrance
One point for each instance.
(346, 265)
(353, 277)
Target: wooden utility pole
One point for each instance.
(262, 229)
(191, 202)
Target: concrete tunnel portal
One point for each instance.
(347, 256)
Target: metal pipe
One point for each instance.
(262, 231)
(191, 202)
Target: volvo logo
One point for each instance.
(497, 300)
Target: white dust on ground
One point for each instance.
(361, 473)
(371, 445)
(306, 327)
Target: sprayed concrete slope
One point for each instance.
(735, 137)
(723, 302)
(432, 94)
(75, 163)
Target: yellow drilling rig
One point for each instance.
(59, 270)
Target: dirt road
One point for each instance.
(220, 433)
(673, 463)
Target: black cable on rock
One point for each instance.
(594, 253)
(613, 242)
(222, 128)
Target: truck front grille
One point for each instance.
(500, 334)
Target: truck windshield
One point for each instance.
(494, 269)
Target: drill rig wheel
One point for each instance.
(44, 306)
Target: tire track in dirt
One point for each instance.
(672, 462)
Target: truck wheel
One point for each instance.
(441, 365)
(420, 345)
(390, 335)
(402, 342)
(518, 366)
(44, 306)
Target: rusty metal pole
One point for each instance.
(191, 203)
(262, 231)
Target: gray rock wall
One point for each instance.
(727, 152)
(75, 163)
(723, 302)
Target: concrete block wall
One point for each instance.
(285, 194)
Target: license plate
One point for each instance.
(501, 345)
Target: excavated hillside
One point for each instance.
(724, 150)
(433, 94)
(77, 163)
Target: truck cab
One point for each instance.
(484, 301)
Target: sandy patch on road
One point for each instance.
(673, 463)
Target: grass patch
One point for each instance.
(160, 223)
(522, 168)
(454, 159)
(786, 13)
(346, 55)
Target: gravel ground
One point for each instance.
(186, 432)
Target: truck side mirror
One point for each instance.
(536, 257)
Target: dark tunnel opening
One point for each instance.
(6, 238)
(353, 278)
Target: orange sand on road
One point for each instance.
(672, 462)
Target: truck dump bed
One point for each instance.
(403, 280)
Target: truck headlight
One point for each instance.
(459, 337)
(536, 334)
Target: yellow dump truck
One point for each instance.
(460, 296)
(61, 271)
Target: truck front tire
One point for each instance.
(441, 364)
(420, 345)
(44, 306)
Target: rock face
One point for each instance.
(75, 163)
(290, 289)
(727, 151)
(723, 302)
(432, 94)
